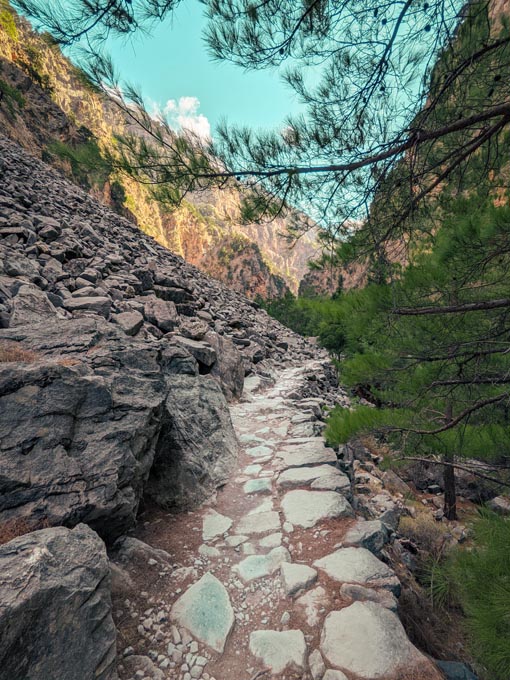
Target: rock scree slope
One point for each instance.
(138, 395)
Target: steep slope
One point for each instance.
(49, 108)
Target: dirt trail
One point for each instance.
(287, 507)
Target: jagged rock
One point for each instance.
(30, 305)
(136, 663)
(55, 607)
(257, 566)
(359, 593)
(500, 504)
(197, 447)
(369, 640)
(297, 577)
(127, 548)
(359, 565)
(279, 650)
(229, 366)
(130, 322)
(98, 305)
(316, 664)
(372, 535)
(307, 508)
(202, 351)
(331, 674)
(160, 313)
(453, 670)
(205, 611)
(215, 525)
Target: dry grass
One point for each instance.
(431, 537)
(13, 528)
(11, 352)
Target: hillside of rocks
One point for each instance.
(168, 507)
(52, 110)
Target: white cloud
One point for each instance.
(182, 114)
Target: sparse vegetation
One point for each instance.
(10, 95)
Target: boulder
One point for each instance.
(161, 313)
(31, 305)
(130, 322)
(297, 577)
(500, 504)
(372, 535)
(98, 305)
(197, 447)
(55, 607)
(229, 366)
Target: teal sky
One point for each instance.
(172, 63)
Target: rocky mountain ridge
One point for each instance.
(52, 111)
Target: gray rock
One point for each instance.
(359, 565)
(128, 549)
(500, 504)
(55, 607)
(307, 508)
(99, 305)
(453, 670)
(279, 650)
(331, 674)
(317, 666)
(136, 663)
(359, 593)
(372, 535)
(205, 611)
(258, 566)
(296, 577)
(202, 351)
(161, 313)
(229, 366)
(130, 322)
(31, 305)
(197, 448)
(369, 640)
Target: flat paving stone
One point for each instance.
(205, 611)
(257, 451)
(252, 469)
(332, 674)
(305, 454)
(340, 483)
(279, 650)
(272, 541)
(358, 565)
(259, 523)
(368, 640)
(266, 506)
(234, 541)
(313, 603)
(258, 566)
(296, 577)
(215, 525)
(258, 486)
(293, 477)
(307, 508)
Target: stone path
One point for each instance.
(279, 579)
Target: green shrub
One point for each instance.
(10, 95)
(7, 22)
(88, 166)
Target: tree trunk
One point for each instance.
(450, 495)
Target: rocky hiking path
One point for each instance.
(275, 578)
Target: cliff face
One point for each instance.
(51, 110)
